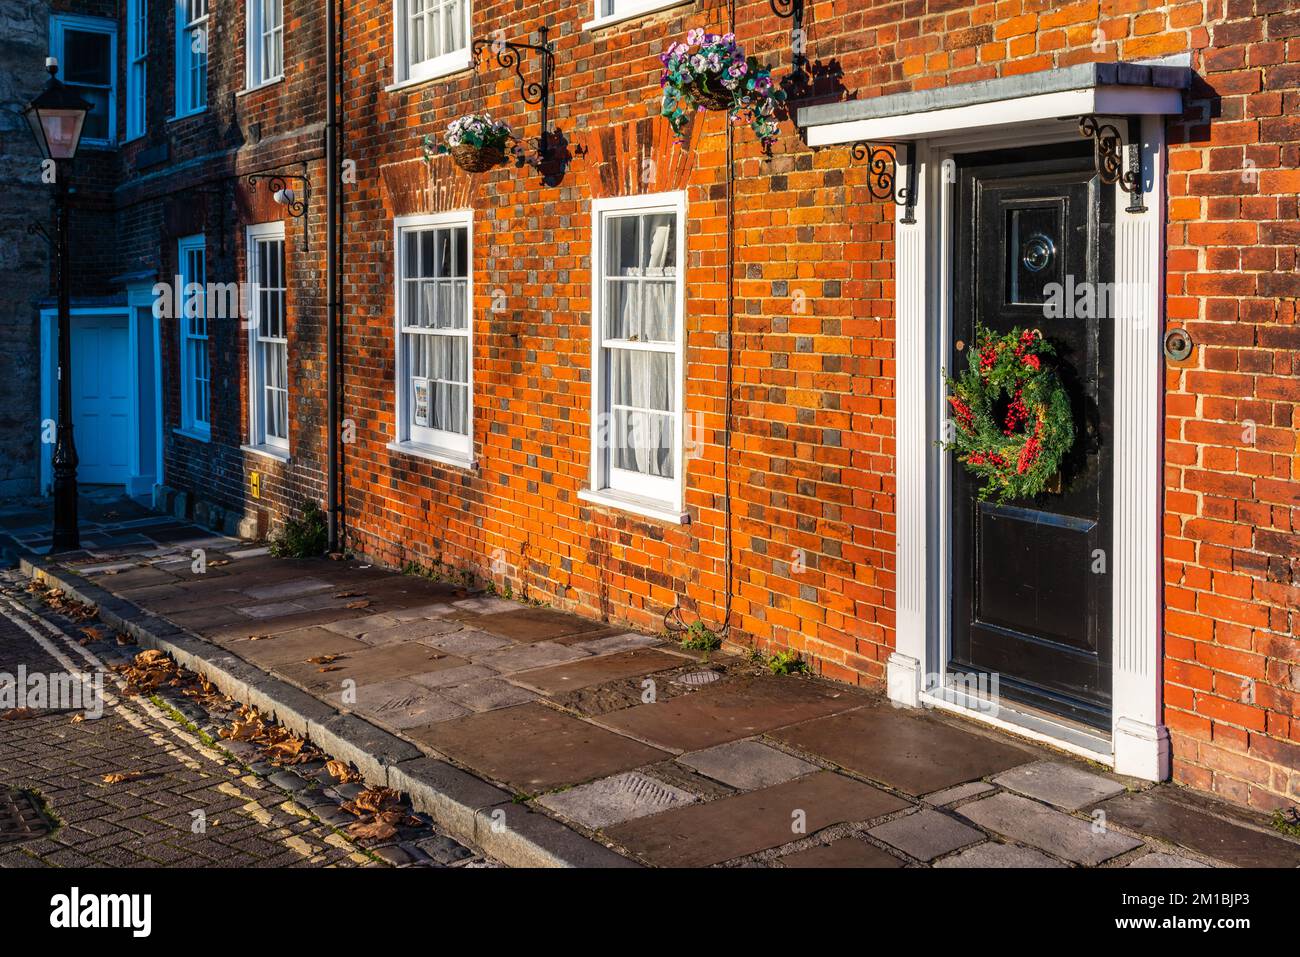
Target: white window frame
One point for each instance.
(651, 496)
(447, 447)
(61, 22)
(404, 71)
(258, 439)
(256, 35)
(627, 10)
(190, 101)
(192, 424)
(137, 67)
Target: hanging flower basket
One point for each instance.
(1014, 423)
(477, 159)
(711, 72)
(475, 141)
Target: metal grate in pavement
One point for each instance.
(21, 818)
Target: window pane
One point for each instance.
(622, 309)
(87, 57)
(642, 380)
(621, 232)
(659, 244)
(643, 442)
(96, 125)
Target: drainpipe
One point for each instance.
(331, 273)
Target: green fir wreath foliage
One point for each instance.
(1013, 425)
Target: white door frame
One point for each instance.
(137, 482)
(1138, 743)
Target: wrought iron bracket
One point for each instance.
(882, 174)
(533, 92)
(276, 181)
(1117, 161)
(793, 11)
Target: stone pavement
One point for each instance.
(177, 800)
(640, 746)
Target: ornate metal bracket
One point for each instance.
(1109, 155)
(882, 175)
(278, 183)
(533, 92)
(793, 10)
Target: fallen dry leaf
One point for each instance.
(342, 771)
(359, 603)
(19, 714)
(120, 777)
(374, 830)
(328, 668)
(78, 718)
(323, 659)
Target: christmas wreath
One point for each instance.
(1012, 416)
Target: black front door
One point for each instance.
(1031, 578)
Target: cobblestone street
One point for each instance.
(181, 802)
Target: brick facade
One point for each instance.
(811, 468)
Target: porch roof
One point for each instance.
(1086, 88)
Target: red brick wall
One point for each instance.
(812, 462)
(1232, 548)
(813, 444)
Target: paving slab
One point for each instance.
(729, 711)
(991, 854)
(468, 642)
(704, 834)
(1174, 817)
(415, 630)
(528, 656)
(356, 627)
(487, 694)
(400, 704)
(534, 748)
(912, 751)
(449, 677)
(485, 605)
(959, 793)
(1061, 785)
(844, 853)
(926, 834)
(436, 610)
(294, 646)
(747, 765)
(585, 672)
(1048, 829)
(370, 666)
(293, 588)
(1160, 860)
(616, 799)
(612, 643)
(535, 624)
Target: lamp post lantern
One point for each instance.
(56, 117)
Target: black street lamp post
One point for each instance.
(56, 117)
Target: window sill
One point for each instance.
(613, 19)
(442, 456)
(185, 116)
(646, 508)
(454, 66)
(261, 86)
(194, 434)
(267, 451)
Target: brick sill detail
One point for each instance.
(441, 456)
(644, 507)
